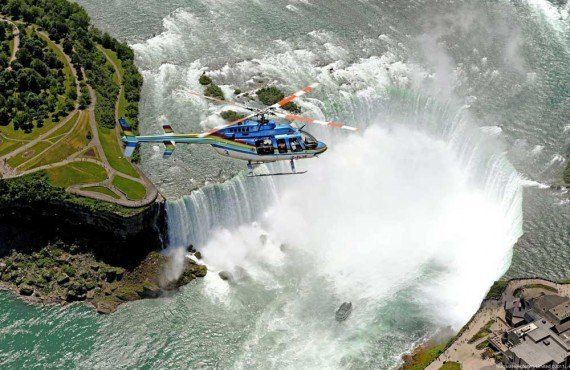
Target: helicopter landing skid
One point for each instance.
(293, 171)
(275, 174)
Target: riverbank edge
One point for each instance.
(495, 290)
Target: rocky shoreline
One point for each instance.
(62, 274)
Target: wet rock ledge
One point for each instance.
(61, 274)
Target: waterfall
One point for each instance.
(192, 218)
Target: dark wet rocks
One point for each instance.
(224, 275)
(59, 275)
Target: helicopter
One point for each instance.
(253, 138)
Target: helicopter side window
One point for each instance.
(264, 147)
(281, 146)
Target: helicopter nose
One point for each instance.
(321, 147)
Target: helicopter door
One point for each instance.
(281, 146)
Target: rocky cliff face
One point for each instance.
(118, 239)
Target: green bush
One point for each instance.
(483, 344)
(69, 270)
(214, 91)
(204, 80)
(496, 290)
(230, 115)
(271, 95)
(67, 22)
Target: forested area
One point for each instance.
(32, 89)
(5, 39)
(67, 23)
(132, 79)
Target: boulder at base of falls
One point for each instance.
(226, 276)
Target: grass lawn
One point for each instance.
(114, 152)
(72, 143)
(27, 155)
(76, 173)
(9, 131)
(11, 45)
(6, 146)
(422, 358)
(65, 128)
(132, 190)
(451, 366)
(19, 137)
(102, 190)
(122, 103)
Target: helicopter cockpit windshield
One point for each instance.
(310, 141)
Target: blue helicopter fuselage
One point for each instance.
(266, 141)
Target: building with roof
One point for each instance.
(542, 338)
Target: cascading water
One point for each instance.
(192, 218)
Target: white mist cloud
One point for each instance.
(371, 216)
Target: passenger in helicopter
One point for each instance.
(295, 145)
(264, 147)
(281, 146)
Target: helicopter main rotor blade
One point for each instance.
(288, 99)
(209, 132)
(307, 120)
(222, 101)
